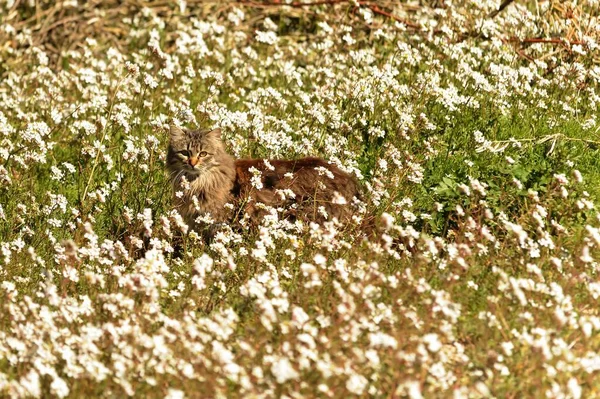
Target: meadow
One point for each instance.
(471, 125)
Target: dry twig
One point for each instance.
(504, 4)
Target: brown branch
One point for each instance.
(565, 43)
(522, 54)
(504, 4)
(295, 4)
(379, 11)
(541, 40)
(367, 4)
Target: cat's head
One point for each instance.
(194, 151)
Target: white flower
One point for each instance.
(150, 81)
(283, 371)
(31, 383)
(57, 174)
(574, 388)
(387, 220)
(585, 255)
(479, 137)
(299, 315)
(268, 37)
(356, 384)
(433, 342)
(256, 179)
(414, 390)
(561, 178)
(175, 394)
(338, 199)
(59, 387)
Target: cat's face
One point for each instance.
(193, 151)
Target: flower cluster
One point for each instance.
(471, 267)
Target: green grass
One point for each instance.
(265, 111)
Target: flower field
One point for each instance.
(472, 127)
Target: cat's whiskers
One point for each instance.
(177, 174)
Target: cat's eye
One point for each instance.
(203, 153)
(185, 153)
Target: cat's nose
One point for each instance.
(194, 161)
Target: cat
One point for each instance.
(207, 181)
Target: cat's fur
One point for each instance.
(304, 188)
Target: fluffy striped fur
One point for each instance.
(308, 188)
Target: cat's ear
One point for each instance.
(175, 133)
(216, 133)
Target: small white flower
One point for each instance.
(268, 37)
(283, 371)
(175, 394)
(256, 179)
(574, 388)
(356, 384)
(338, 199)
(479, 137)
(433, 342)
(59, 387)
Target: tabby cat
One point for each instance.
(207, 181)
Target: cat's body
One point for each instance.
(205, 178)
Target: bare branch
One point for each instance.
(504, 4)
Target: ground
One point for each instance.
(473, 132)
